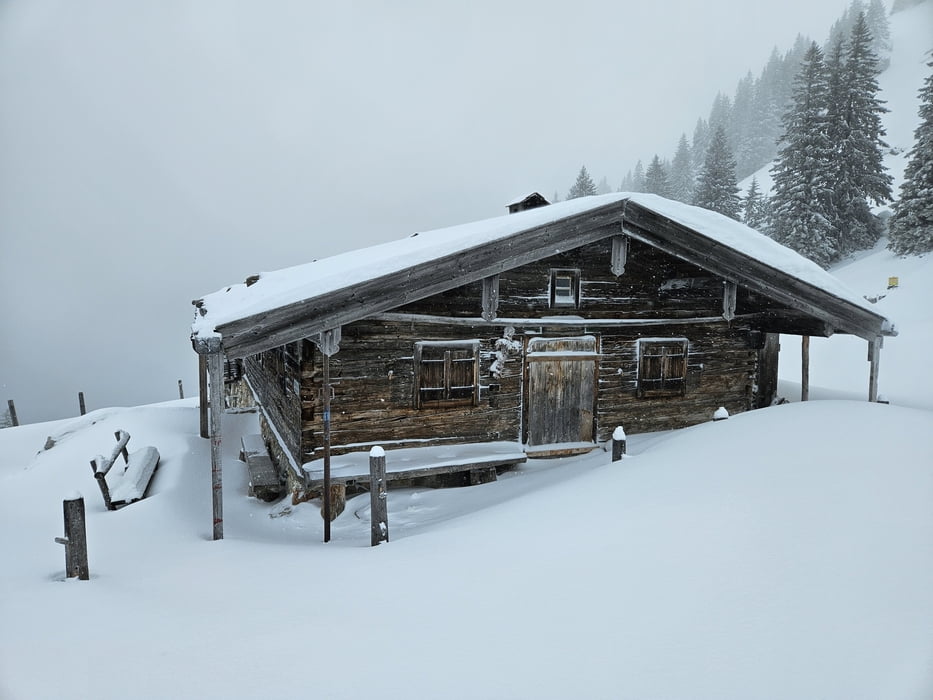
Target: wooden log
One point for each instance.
(490, 297)
(379, 518)
(12, 408)
(81, 406)
(805, 368)
(75, 539)
(333, 506)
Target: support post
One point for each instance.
(805, 368)
(874, 357)
(729, 293)
(216, 371)
(81, 406)
(490, 297)
(202, 388)
(378, 510)
(75, 539)
(325, 398)
(12, 409)
(618, 443)
(181, 390)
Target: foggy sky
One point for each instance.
(151, 153)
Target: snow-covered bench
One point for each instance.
(120, 487)
(264, 481)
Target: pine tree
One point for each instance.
(680, 181)
(911, 227)
(716, 186)
(700, 143)
(5, 420)
(801, 213)
(656, 178)
(880, 29)
(854, 127)
(583, 187)
(638, 178)
(603, 187)
(627, 183)
(755, 207)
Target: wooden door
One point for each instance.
(561, 390)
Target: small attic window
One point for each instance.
(565, 289)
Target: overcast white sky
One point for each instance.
(152, 152)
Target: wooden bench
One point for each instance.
(122, 487)
(455, 465)
(264, 481)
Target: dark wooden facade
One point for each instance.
(547, 375)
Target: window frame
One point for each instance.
(663, 385)
(571, 301)
(442, 351)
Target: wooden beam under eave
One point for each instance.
(729, 292)
(490, 297)
(619, 255)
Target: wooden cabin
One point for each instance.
(529, 201)
(546, 328)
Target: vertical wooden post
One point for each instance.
(202, 388)
(874, 357)
(81, 406)
(618, 443)
(75, 539)
(805, 368)
(181, 390)
(12, 409)
(378, 510)
(216, 371)
(326, 401)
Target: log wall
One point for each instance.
(373, 373)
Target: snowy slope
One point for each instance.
(784, 553)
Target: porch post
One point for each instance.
(874, 357)
(202, 389)
(210, 352)
(805, 368)
(328, 343)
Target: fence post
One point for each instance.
(181, 390)
(379, 517)
(12, 408)
(81, 406)
(618, 443)
(75, 539)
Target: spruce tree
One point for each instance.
(854, 126)
(716, 186)
(638, 178)
(583, 187)
(656, 178)
(911, 227)
(755, 207)
(801, 212)
(680, 181)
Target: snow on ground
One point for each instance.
(783, 553)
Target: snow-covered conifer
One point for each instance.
(583, 187)
(716, 185)
(911, 227)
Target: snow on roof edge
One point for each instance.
(275, 289)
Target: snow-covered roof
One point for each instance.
(317, 279)
(519, 200)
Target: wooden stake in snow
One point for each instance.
(75, 539)
(81, 406)
(379, 518)
(874, 357)
(13, 419)
(618, 443)
(181, 390)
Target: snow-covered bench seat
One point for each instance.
(120, 487)
(264, 481)
(449, 465)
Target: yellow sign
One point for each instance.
(892, 282)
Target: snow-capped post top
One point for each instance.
(73, 496)
(720, 414)
(618, 443)
(377, 452)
